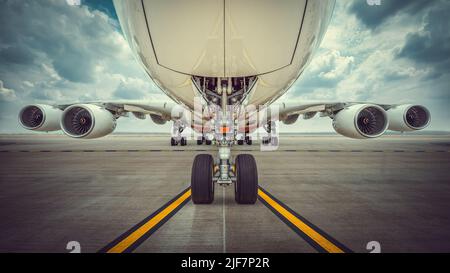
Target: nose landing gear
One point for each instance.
(246, 184)
(206, 174)
(242, 172)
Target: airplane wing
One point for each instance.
(163, 111)
(96, 119)
(308, 110)
(361, 119)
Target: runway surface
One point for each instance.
(318, 194)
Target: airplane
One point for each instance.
(223, 64)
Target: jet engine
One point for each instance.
(408, 117)
(87, 121)
(158, 119)
(361, 121)
(40, 117)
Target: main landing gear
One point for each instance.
(272, 138)
(177, 138)
(247, 139)
(174, 141)
(205, 140)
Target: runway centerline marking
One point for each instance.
(224, 227)
(317, 238)
(135, 236)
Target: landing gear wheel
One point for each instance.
(202, 185)
(248, 140)
(183, 141)
(240, 142)
(272, 141)
(208, 142)
(200, 140)
(246, 186)
(173, 142)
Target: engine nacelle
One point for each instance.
(408, 117)
(290, 119)
(158, 119)
(87, 121)
(361, 121)
(40, 117)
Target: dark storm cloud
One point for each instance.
(31, 31)
(431, 45)
(16, 55)
(373, 16)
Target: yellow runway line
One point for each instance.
(313, 235)
(139, 233)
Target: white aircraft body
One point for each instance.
(223, 63)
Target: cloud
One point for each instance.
(327, 69)
(73, 40)
(6, 94)
(16, 55)
(430, 45)
(51, 52)
(78, 45)
(373, 16)
(381, 65)
(132, 89)
(105, 6)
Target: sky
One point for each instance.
(397, 52)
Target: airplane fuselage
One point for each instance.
(260, 46)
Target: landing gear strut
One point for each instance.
(224, 172)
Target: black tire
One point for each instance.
(199, 141)
(173, 142)
(240, 142)
(248, 140)
(246, 185)
(183, 141)
(265, 140)
(202, 185)
(208, 142)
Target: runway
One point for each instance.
(394, 190)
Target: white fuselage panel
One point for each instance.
(176, 39)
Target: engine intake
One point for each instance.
(408, 117)
(361, 121)
(87, 121)
(40, 117)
